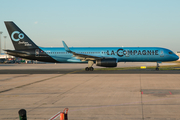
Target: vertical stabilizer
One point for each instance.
(19, 39)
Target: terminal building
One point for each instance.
(4, 57)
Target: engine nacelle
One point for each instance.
(109, 62)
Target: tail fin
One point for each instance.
(19, 39)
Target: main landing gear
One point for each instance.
(89, 68)
(157, 67)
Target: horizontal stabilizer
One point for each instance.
(19, 53)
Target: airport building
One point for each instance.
(6, 56)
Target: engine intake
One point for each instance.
(109, 62)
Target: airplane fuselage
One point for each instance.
(122, 54)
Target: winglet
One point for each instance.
(66, 47)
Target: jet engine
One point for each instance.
(108, 62)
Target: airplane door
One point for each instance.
(37, 52)
(102, 53)
(127, 53)
(161, 53)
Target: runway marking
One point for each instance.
(72, 88)
(36, 82)
(15, 77)
(52, 78)
(123, 104)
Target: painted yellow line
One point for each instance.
(143, 67)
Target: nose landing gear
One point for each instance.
(157, 67)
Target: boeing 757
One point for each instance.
(101, 56)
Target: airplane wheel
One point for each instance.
(91, 68)
(157, 69)
(86, 69)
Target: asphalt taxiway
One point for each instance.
(78, 69)
(117, 95)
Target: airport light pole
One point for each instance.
(0, 41)
(5, 42)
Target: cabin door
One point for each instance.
(37, 52)
(161, 53)
(127, 53)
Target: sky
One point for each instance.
(95, 23)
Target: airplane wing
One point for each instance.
(83, 57)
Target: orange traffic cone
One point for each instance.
(61, 115)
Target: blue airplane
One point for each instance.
(101, 56)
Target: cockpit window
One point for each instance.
(170, 52)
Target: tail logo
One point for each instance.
(20, 36)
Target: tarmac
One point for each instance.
(44, 91)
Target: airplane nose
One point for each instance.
(176, 57)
